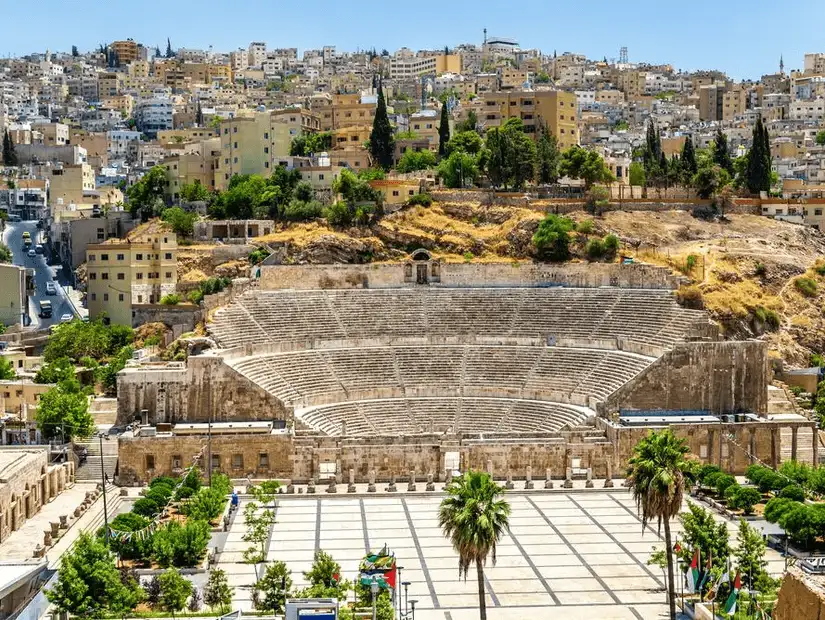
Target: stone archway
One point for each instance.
(421, 268)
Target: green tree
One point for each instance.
(701, 530)
(758, 162)
(820, 137)
(324, 571)
(721, 153)
(169, 52)
(745, 498)
(107, 374)
(63, 412)
(474, 516)
(89, 584)
(146, 197)
(7, 372)
(458, 169)
(9, 153)
(5, 253)
(182, 222)
(552, 238)
(578, 163)
(465, 141)
(59, 370)
(688, 160)
(180, 545)
(75, 53)
(199, 115)
(132, 549)
(710, 180)
(547, 154)
(652, 154)
(194, 192)
(656, 480)
(381, 139)
(416, 160)
(637, 174)
(274, 587)
(512, 158)
(443, 131)
(174, 590)
(468, 124)
(217, 593)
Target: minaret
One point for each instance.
(781, 65)
(485, 36)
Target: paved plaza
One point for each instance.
(570, 555)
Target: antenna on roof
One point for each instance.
(485, 36)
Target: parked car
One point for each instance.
(51, 289)
(31, 253)
(39, 249)
(66, 318)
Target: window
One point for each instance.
(91, 257)
(703, 451)
(216, 461)
(120, 297)
(168, 256)
(235, 130)
(266, 135)
(320, 177)
(120, 256)
(93, 276)
(817, 211)
(327, 470)
(237, 461)
(104, 257)
(150, 461)
(226, 130)
(176, 461)
(140, 299)
(104, 276)
(412, 192)
(263, 460)
(235, 161)
(266, 164)
(121, 276)
(266, 149)
(140, 276)
(139, 257)
(105, 296)
(94, 296)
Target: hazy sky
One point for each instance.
(745, 38)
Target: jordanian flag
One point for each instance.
(730, 605)
(706, 575)
(693, 572)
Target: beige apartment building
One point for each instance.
(53, 134)
(15, 286)
(139, 270)
(343, 111)
(127, 51)
(109, 84)
(556, 109)
(73, 184)
(20, 397)
(195, 167)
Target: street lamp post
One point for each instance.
(412, 607)
(374, 591)
(396, 593)
(103, 481)
(406, 585)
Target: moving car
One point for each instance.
(51, 289)
(39, 249)
(45, 308)
(31, 253)
(66, 318)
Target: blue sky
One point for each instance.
(741, 37)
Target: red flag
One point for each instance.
(390, 575)
(677, 548)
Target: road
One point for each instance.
(13, 237)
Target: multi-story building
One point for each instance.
(109, 84)
(556, 109)
(16, 284)
(256, 54)
(199, 167)
(53, 134)
(70, 237)
(153, 115)
(344, 110)
(139, 270)
(122, 144)
(72, 185)
(405, 64)
(127, 51)
(815, 64)
(813, 110)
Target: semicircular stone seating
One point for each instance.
(390, 386)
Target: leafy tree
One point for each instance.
(745, 498)
(206, 505)
(199, 115)
(258, 523)
(701, 530)
(468, 124)
(652, 154)
(458, 169)
(637, 174)
(324, 571)
(552, 238)
(310, 143)
(466, 141)
(656, 480)
(750, 554)
(443, 131)
(372, 174)
(9, 153)
(710, 180)
(5, 253)
(381, 139)
(63, 412)
(547, 154)
(89, 584)
(182, 222)
(195, 599)
(107, 374)
(416, 160)
(721, 154)
(688, 160)
(474, 516)
(274, 587)
(7, 372)
(180, 545)
(820, 137)
(794, 492)
(795, 471)
(193, 192)
(621, 125)
(578, 163)
(169, 52)
(59, 370)
(758, 163)
(75, 53)
(512, 155)
(217, 593)
(132, 549)
(146, 197)
(174, 590)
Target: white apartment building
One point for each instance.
(239, 59)
(153, 115)
(813, 110)
(403, 65)
(118, 142)
(257, 53)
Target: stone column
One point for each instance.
(608, 481)
(391, 488)
(448, 477)
(351, 485)
(371, 485)
(589, 483)
(509, 485)
(774, 448)
(490, 467)
(794, 433)
(548, 478)
(430, 483)
(411, 483)
(711, 438)
(311, 485)
(528, 482)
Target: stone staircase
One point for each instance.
(90, 470)
(780, 401)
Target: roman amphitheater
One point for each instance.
(383, 371)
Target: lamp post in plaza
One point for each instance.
(374, 591)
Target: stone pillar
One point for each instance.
(351, 485)
(391, 488)
(333, 487)
(411, 483)
(589, 483)
(448, 477)
(47, 538)
(430, 483)
(371, 485)
(490, 467)
(794, 433)
(509, 486)
(774, 448)
(568, 478)
(311, 485)
(608, 481)
(548, 478)
(528, 479)
(55, 525)
(711, 438)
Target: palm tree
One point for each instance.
(474, 516)
(656, 477)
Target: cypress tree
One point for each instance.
(9, 154)
(199, 115)
(381, 141)
(721, 155)
(766, 146)
(758, 169)
(443, 131)
(688, 159)
(169, 52)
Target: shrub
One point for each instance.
(767, 317)
(160, 495)
(705, 471)
(819, 268)
(722, 482)
(794, 492)
(184, 492)
(468, 257)
(181, 545)
(145, 507)
(258, 255)
(172, 299)
(760, 270)
(776, 507)
(798, 472)
(690, 297)
(195, 296)
(585, 227)
(132, 549)
(552, 239)
(806, 286)
(744, 498)
(611, 244)
(424, 200)
(299, 211)
(221, 483)
(772, 481)
(595, 249)
(206, 505)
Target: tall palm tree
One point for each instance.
(473, 517)
(656, 477)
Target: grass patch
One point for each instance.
(807, 286)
